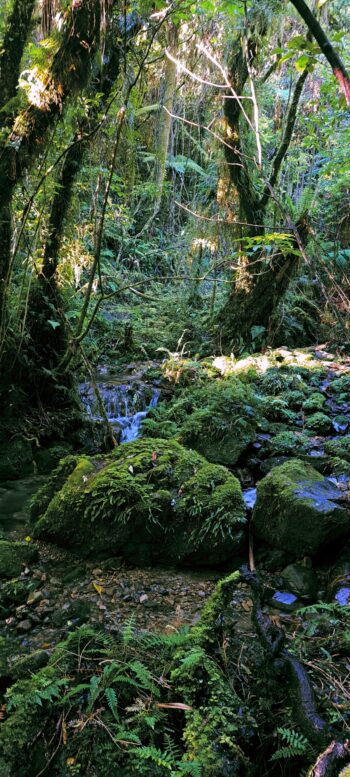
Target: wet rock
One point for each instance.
(285, 600)
(339, 585)
(301, 580)
(299, 510)
(35, 597)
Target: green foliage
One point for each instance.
(295, 744)
(218, 418)
(122, 701)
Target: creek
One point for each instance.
(127, 401)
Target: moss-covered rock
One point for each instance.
(150, 500)
(340, 447)
(319, 422)
(218, 419)
(314, 402)
(294, 399)
(299, 510)
(288, 443)
(340, 387)
(13, 555)
(25, 666)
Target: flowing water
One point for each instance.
(126, 402)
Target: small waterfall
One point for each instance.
(126, 404)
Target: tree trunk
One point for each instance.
(259, 286)
(70, 72)
(326, 47)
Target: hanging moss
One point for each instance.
(151, 500)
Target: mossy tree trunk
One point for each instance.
(15, 38)
(260, 284)
(69, 73)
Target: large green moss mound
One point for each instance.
(218, 419)
(299, 510)
(151, 501)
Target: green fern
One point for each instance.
(295, 744)
(112, 702)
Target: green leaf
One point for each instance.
(54, 324)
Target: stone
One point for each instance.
(284, 600)
(301, 580)
(25, 666)
(314, 403)
(24, 626)
(319, 422)
(35, 597)
(14, 555)
(152, 501)
(299, 510)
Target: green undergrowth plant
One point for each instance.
(133, 703)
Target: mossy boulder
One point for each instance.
(150, 500)
(314, 403)
(299, 510)
(319, 422)
(339, 447)
(288, 442)
(218, 420)
(13, 555)
(340, 388)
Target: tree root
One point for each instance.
(334, 758)
(301, 693)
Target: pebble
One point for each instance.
(24, 626)
(35, 597)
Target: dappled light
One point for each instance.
(175, 388)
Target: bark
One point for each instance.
(326, 47)
(74, 157)
(164, 117)
(15, 38)
(335, 757)
(239, 171)
(260, 286)
(164, 125)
